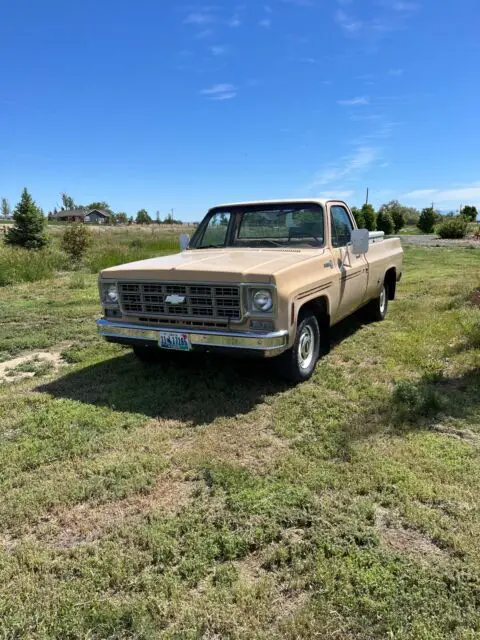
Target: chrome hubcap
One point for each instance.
(306, 345)
(383, 300)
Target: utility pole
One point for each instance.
(366, 199)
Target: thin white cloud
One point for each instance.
(235, 21)
(223, 91)
(218, 50)
(406, 6)
(199, 18)
(267, 8)
(353, 102)
(219, 88)
(467, 194)
(266, 23)
(205, 33)
(348, 167)
(395, 72)
(347, 23)
(299, 3)
(224, 96)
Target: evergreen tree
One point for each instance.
(5, 208)
(427, 220)
(29, 228)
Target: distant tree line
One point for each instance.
(393, 216)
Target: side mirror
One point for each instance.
(360, 239)
(184, 241)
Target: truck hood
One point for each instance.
(220, 265)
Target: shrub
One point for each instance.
(29, 228)
(398, 212)
(75, 241)
(413, 401)
(385, 222)
(369, 217)
(427, 220)
(455, 227)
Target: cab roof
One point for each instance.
(320, 201)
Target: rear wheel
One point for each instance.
(147, 354)
(377, 309)
(298, 363)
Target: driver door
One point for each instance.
(352, 271)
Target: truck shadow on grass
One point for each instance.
(195, 388)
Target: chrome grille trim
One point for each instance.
(210, 302)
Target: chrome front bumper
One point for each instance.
(268, 344)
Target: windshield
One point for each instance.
(260, 226)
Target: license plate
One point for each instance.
(174, 341)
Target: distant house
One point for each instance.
(88, 216)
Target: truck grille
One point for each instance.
(208, 302)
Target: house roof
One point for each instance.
(80, 213)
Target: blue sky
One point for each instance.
(178, 105)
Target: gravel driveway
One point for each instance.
(436, 241)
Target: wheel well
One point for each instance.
(321, 310)
(391, 282)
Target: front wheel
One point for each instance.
(298, 363)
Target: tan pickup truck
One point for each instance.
(259, 278)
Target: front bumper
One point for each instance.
(259, 343)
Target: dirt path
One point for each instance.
(30, 364)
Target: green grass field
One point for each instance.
(203, 498)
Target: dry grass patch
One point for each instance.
(394, 536)
(87, 522)
(250, 441)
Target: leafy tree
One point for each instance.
(143, 217)
(121, 217)
(385, 222)
(427, 220)
(359, 219)
(75, 240)
(29, 228)
(67, 203)
(453, 227)
(369, 217)
(5, 208)
(469, 212)
(398, 213)
(412, 215)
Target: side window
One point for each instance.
(341, 226)
(216, 231)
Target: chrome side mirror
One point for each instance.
(184, 241)
(360, 240)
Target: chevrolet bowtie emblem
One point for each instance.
(175, 299)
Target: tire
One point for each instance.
(298, 363)
(147, 354)
(377, 309)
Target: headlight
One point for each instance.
(263, 301)
(110, 294)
